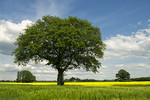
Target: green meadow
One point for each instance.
(53, 92)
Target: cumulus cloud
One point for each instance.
(32, 68)
(136, 66)
(104, 67)
(83, 74)
(8, 34)
(121, 46)
(14, 68)
(9, 30)
(45, 70)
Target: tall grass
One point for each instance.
(47, 92)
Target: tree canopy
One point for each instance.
(123, 75)
(65, 43)
(25, 76)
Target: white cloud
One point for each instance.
(13, 67)
(83, 74)
(8, 34)
(137, 45)
(32, 68)
(9, 30)
(45, 70)
(104, 67)
(135, 66)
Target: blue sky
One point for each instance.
(124, 24)
(106, 14)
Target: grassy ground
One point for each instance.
(52, 92)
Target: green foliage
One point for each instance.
(26, 92)
(141, 79)
(73, 79)
(123, 75)
(25, 76)
(69, 43)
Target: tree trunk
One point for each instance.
(60, 77)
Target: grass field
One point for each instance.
(76, 91)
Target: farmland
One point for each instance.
(75, 91)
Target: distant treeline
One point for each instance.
(7, 80)
(73, 79)
(141, 79)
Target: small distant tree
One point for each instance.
(72, 79)
(123, 75)
(25, 76)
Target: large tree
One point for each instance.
(68, 43)
(123, 75)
